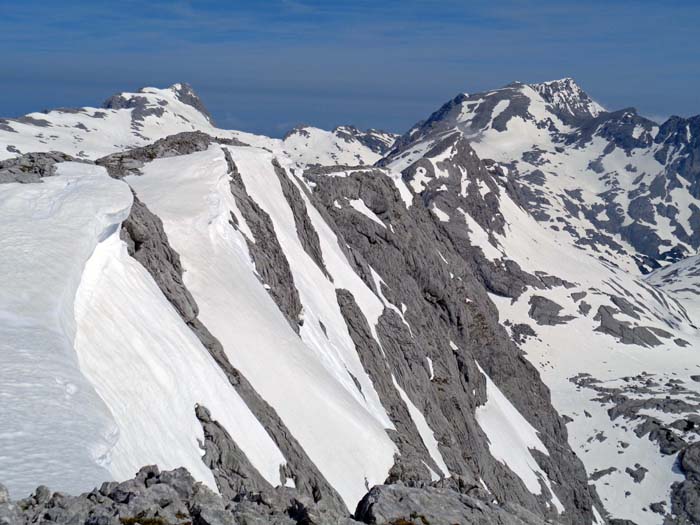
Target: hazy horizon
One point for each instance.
(268, 67)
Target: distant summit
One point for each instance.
(181, 90)
(571, 103)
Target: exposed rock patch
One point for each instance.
(131, 161)
(308, 236)
(546, 312)
(32, 167)
(622, 330)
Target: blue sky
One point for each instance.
(265, 66)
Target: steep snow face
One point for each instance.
(152, 375)
(304, 379)
(48, 233)
(511, 438)
(345, 145)
(109, 390)
(317, 291)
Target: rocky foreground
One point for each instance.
(175, 498)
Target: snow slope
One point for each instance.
(151, 376)
(48, 233)
(345, 145)
(130, 120)
(510, 439)
(565, 350)
(112, 390)
(343, 435)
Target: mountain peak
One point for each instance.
(185, 94)
(181, 91)
(571, 103)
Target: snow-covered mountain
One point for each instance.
(560, 163)
(615, 183)
(343, 146)
(457, 317)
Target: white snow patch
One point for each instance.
(499, 108)
(441, 215)
(361, 207)
(433, 475)
(430, 367)
(479, 237)
(420, 179)
(511, 438)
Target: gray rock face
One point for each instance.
(147, 242)
(398, 504)
(305, 229)
(32, 167)
(410, 259)
(186, 95)
(151, 497)
(232, 470)
(265, 250)
(568, 101)
(175, 498)
(638, 473)
(690, 461)
(411, 463)
(622, 330)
